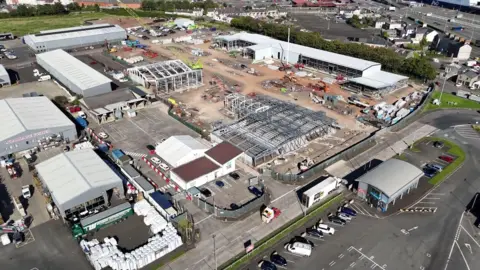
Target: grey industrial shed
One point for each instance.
(78, 180)
(26, 122)
(4, 77)
(74, 74)
(75, 37)
(387, 182)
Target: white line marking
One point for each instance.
(365, 256)
(470, 236)
(341, 256)
(282, 267)
(463, 256)
(290, 261)
(293, 254)
(425, 203)
(331, 263)
(353, 264)
(282, 196)
(453, 244)
(204, 219)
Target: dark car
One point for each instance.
(145, 38)
(255, 191)
(234, 175)
(438, 144)
(313, 232)
(219, 184)
(206, 192)
(302, 239)
(278, 259)
(267, 265)
(234, 206)
(172, 32)
(336, 220)
(348, 211)
(429, 172)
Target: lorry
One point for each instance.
(102, 220)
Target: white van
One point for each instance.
(298, 248)
(325, 229)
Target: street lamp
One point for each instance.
(443, 87)
(214, 251)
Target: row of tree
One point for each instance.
(41, 10)
(364, 22)
(162, 5)
(418, 67)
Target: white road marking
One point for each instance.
(290, 261)
(370, 259)
(353, 264)
(314, 238)
(463, 256)
(341, 256)
(204, 219)
(293, 254)
(469, 248)
(331, 263)
(470, 236)
(454, 241)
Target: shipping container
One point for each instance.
(319, 191)
(117, 154)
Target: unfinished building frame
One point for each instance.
(268, 127)
(167, 76)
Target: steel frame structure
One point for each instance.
(268, 127)
(167, 76)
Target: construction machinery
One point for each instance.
(299, 66)
(319, 86)
(270, 213)
(150, 54)
(290, 78)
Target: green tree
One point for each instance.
(58, 8)
(148, 5)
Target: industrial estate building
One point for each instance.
(78, 181)
(32, 122)
(74, 74)
(268, 127)
(178, 150)
(4, 77)
(216, 162)
(388, 182)
(167, 76)
(362, 75)
(75, 37)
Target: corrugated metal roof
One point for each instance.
(334, 58)
(75, 70)
(3, 71)
(379, 79)
(30, 113)
(75, 32)
(391, 176)
(173, 149)
(77, 176)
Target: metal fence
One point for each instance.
(234, 214)
(346, 154)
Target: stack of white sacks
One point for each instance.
(152, 218)
(107, 254)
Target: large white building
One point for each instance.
(178, 150)
(362, 74)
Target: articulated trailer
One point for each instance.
(102, 220)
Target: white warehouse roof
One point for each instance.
(263, 42)
(73, 69)
(3, 71)
(30, 113)
(175, 148)
(75, 32)
(76, 177)
(379, 79)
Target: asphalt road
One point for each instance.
(404, 241)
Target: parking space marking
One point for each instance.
(293, 254)
(341, 256)
(290, 261)
(332, 263)
(470, 236)
(463, 256)
(335, 224)
(202, 220)
(363, 256)
(314, 238)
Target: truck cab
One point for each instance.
(270, 214)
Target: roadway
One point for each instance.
(409, 240)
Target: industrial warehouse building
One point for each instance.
(32, 122)
(216, 162)
(4, 77)
(267, 127)
(167, 76)
(388, 182)
(178, 150)
(362, 75)
(74, 74)
(78, 181)
(75, 37)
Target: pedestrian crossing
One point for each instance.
(361, 209)
(134, 155)
(467, 132)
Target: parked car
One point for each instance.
(102, 135)
(219, 184)
(344, 216)
(278, 259)
(299, 248)
(156, 160)
(313, 232)
(436, 167)
(325, 229)
(234, 175)
(302, 239)
(145, 38)
(448, 159)
(267, 265)
(429, 172)
(336, 220)
(206, 192)
(255, 191)
(349, 211)
(438, 144)
(164, 166)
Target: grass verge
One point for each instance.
(176, 254)
(454, 150)
(31, 25)
(476, 127)
(279, 234)
(450, 101)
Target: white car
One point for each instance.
(102, 135)
(344, 216)
(458, 84)
(301, 249)
(325, 229)
(156, 160)
(164, 166)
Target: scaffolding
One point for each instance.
(268, 127)
(166, 77)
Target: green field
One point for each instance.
(31, 25)
(450, 101)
